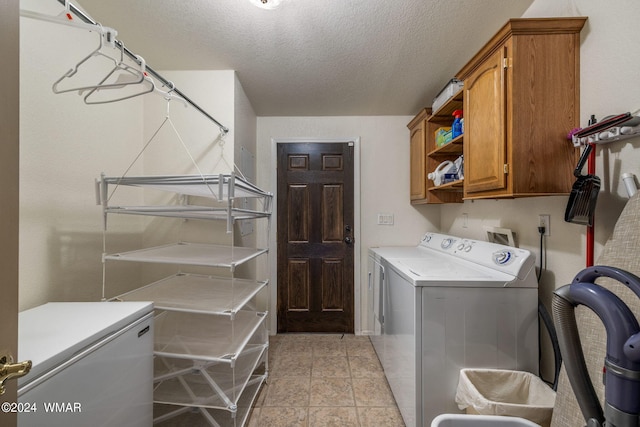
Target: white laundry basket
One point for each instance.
(505, 392)
(458, 420)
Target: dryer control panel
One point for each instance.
(514, 261)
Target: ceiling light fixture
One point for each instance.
(266, 4)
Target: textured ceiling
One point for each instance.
(314, 57)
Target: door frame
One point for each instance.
(10, 176)
(273, 260)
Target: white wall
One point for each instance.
(64, 146)
(203, 142)
(245, 121)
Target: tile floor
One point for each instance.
(324, 380)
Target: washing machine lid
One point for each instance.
(52, 333)
(399, 252)
(447, 271)
(443, 270)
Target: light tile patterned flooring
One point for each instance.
(322, 380)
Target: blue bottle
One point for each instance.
(456, 127)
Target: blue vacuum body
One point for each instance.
(622, 362)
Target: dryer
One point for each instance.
(450, 303)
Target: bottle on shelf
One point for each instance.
(457, 128)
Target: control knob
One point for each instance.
(446, 243)
(503, 257)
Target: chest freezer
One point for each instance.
(92, 364)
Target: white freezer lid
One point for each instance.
(52, 333)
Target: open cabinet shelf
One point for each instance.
(426, 156)
(450, 186)
(454, 147)
(210, 337)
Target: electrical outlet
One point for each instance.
(545, 221)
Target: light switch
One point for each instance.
(385, 219)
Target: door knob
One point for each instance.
(10, 370)
(348, 239)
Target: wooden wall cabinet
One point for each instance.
(418, 157)
(521, 98)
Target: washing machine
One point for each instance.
(450, 303)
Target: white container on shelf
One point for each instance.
(446, 93)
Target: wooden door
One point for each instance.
(485, 140)
(9, 164)
(315, 237)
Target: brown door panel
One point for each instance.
(315, 254)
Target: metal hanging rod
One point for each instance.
(86, 19)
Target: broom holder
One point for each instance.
(628, 128)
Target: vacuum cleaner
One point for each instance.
(622, 362)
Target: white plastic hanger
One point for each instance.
(105, 35)
(125, 76)
(67, 17)
(169, 95)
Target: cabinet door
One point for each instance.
(418, 155)
(485, 126)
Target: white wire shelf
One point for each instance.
(207, 338)
(188, 212)
(219, 187)
(194, 293)
(164, 414)
(212, 385)
(210, 343)
(184, 253)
